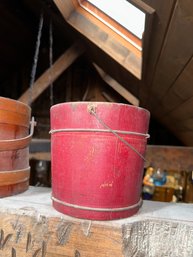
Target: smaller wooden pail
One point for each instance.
(14, 146)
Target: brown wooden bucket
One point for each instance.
(14, 146)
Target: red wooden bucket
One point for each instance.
(14, 142)
(97, 154)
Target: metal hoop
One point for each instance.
(53, 131)
(86, 208)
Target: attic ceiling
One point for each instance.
(166, 88)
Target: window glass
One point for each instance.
(124, 13)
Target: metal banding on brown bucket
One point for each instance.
(14, 146)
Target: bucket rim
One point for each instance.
(11, 106)
(98, 103)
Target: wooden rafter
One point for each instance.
(117, 87)
(51, 74)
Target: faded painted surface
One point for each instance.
(154, 238)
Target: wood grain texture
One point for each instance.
(182, 87)
(30, 227)
(169, 96)
(183, 111)
(177, 49)
(37, 235)
(158, 31)
(179, 99)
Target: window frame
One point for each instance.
(112, 24)
(103, 36)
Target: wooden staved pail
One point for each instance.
(97, 152)
(14, 146)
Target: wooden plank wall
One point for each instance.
(167, 91)
(160, 25)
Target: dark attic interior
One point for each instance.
(96, 128)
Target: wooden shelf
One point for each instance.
(30, 226)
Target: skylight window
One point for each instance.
(120, 28)
(124, 13)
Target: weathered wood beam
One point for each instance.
(51, 74)
(31, 227)
(117, 87)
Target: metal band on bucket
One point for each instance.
(92, 110)
(18, 143)
(86, 208)
(53, 131)
(12, 177)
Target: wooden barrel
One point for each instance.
(14, 146)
